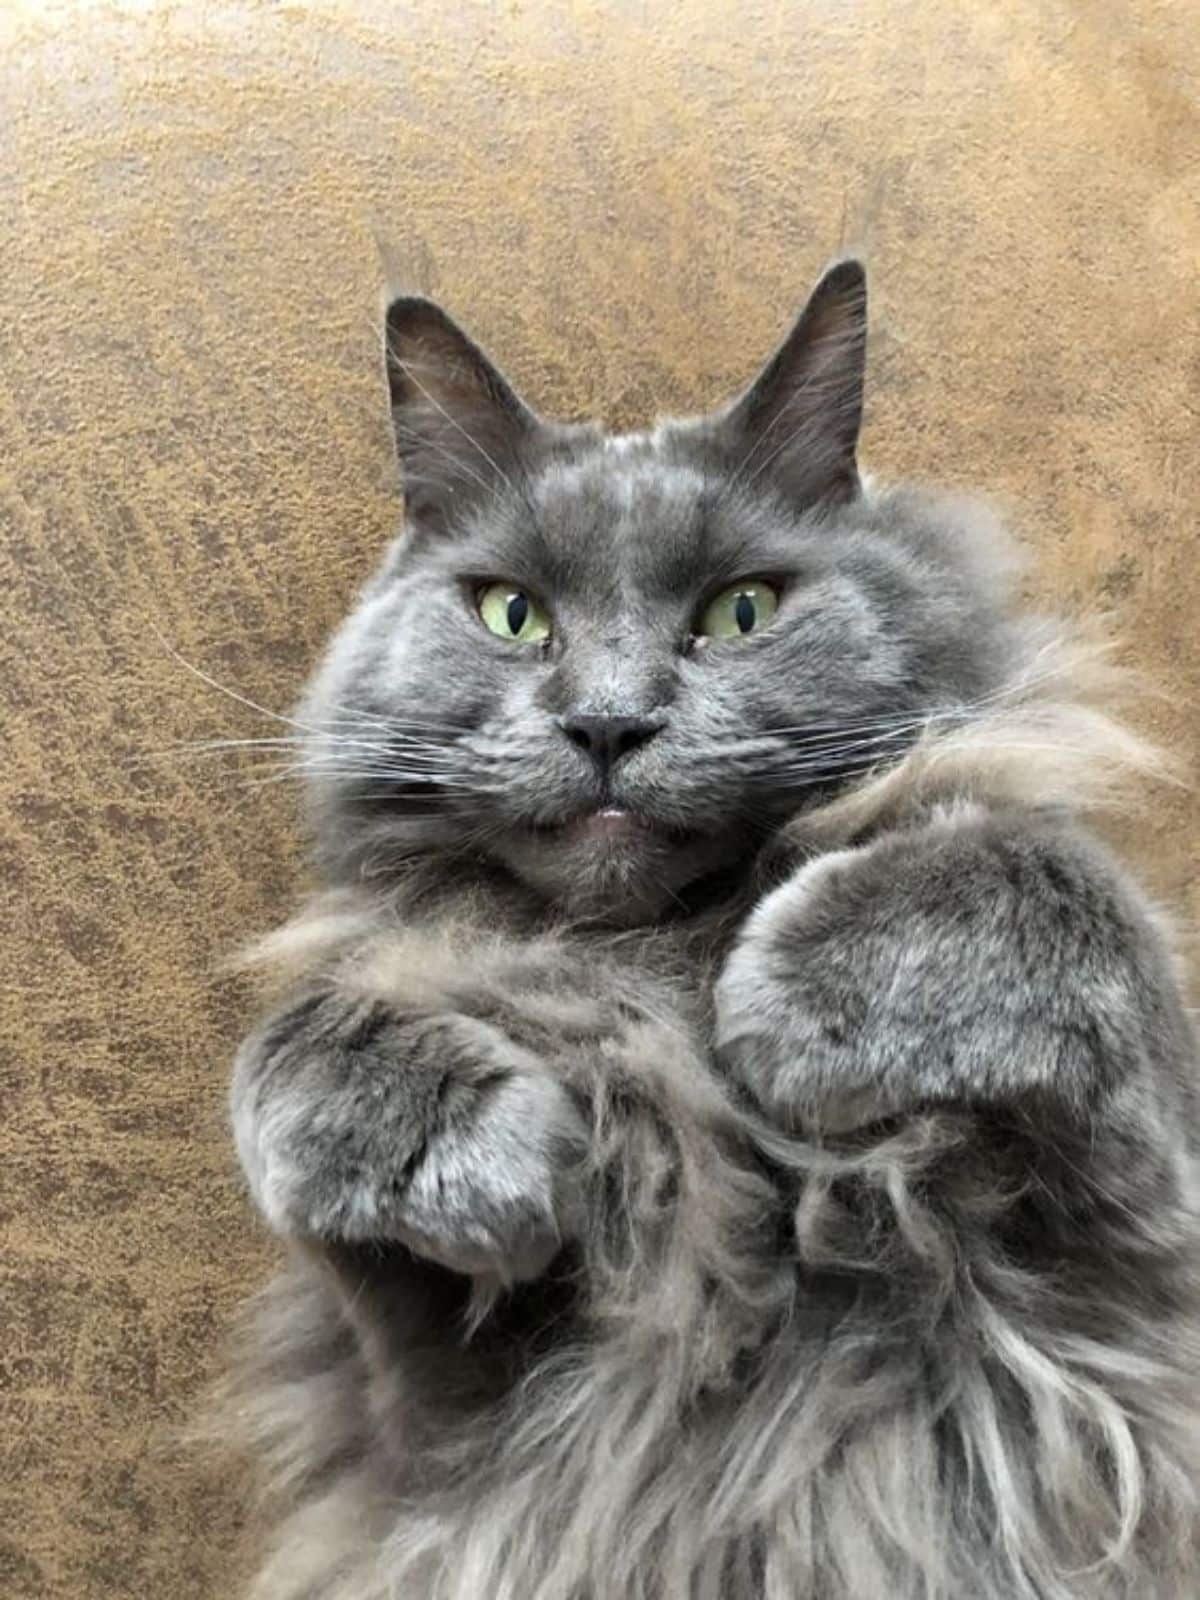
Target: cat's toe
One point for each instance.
(494, 1190)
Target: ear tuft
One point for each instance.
(799, 420)
(457, 422)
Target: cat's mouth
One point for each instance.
(615, 862)
(613, 826)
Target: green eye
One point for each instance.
(512, 614)
(740, 610)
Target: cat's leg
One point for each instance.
(359, 1123)
(971, 1036)
(434, 1098)
(982, 960)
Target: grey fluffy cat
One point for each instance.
(736, 1130)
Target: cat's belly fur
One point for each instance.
(808, 1439)
(948, 1353)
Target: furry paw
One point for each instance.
(790, 1017)
(435, 1132)
(977, 961)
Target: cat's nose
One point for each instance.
(606, 739)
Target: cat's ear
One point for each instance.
(457, 423)
(799, 420)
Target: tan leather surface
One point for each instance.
(625, 203)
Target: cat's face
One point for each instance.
(614, 665)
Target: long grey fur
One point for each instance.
(790, 1194)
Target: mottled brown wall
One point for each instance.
(626, 202)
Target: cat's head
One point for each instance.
(613, 665)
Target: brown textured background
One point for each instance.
(625, 202)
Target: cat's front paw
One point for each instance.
(801, 1005)
(435, 1132)
(493, 1192)
(978, 960)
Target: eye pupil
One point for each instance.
(518, 610)
(741, 609)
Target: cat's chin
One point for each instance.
(611, 864)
